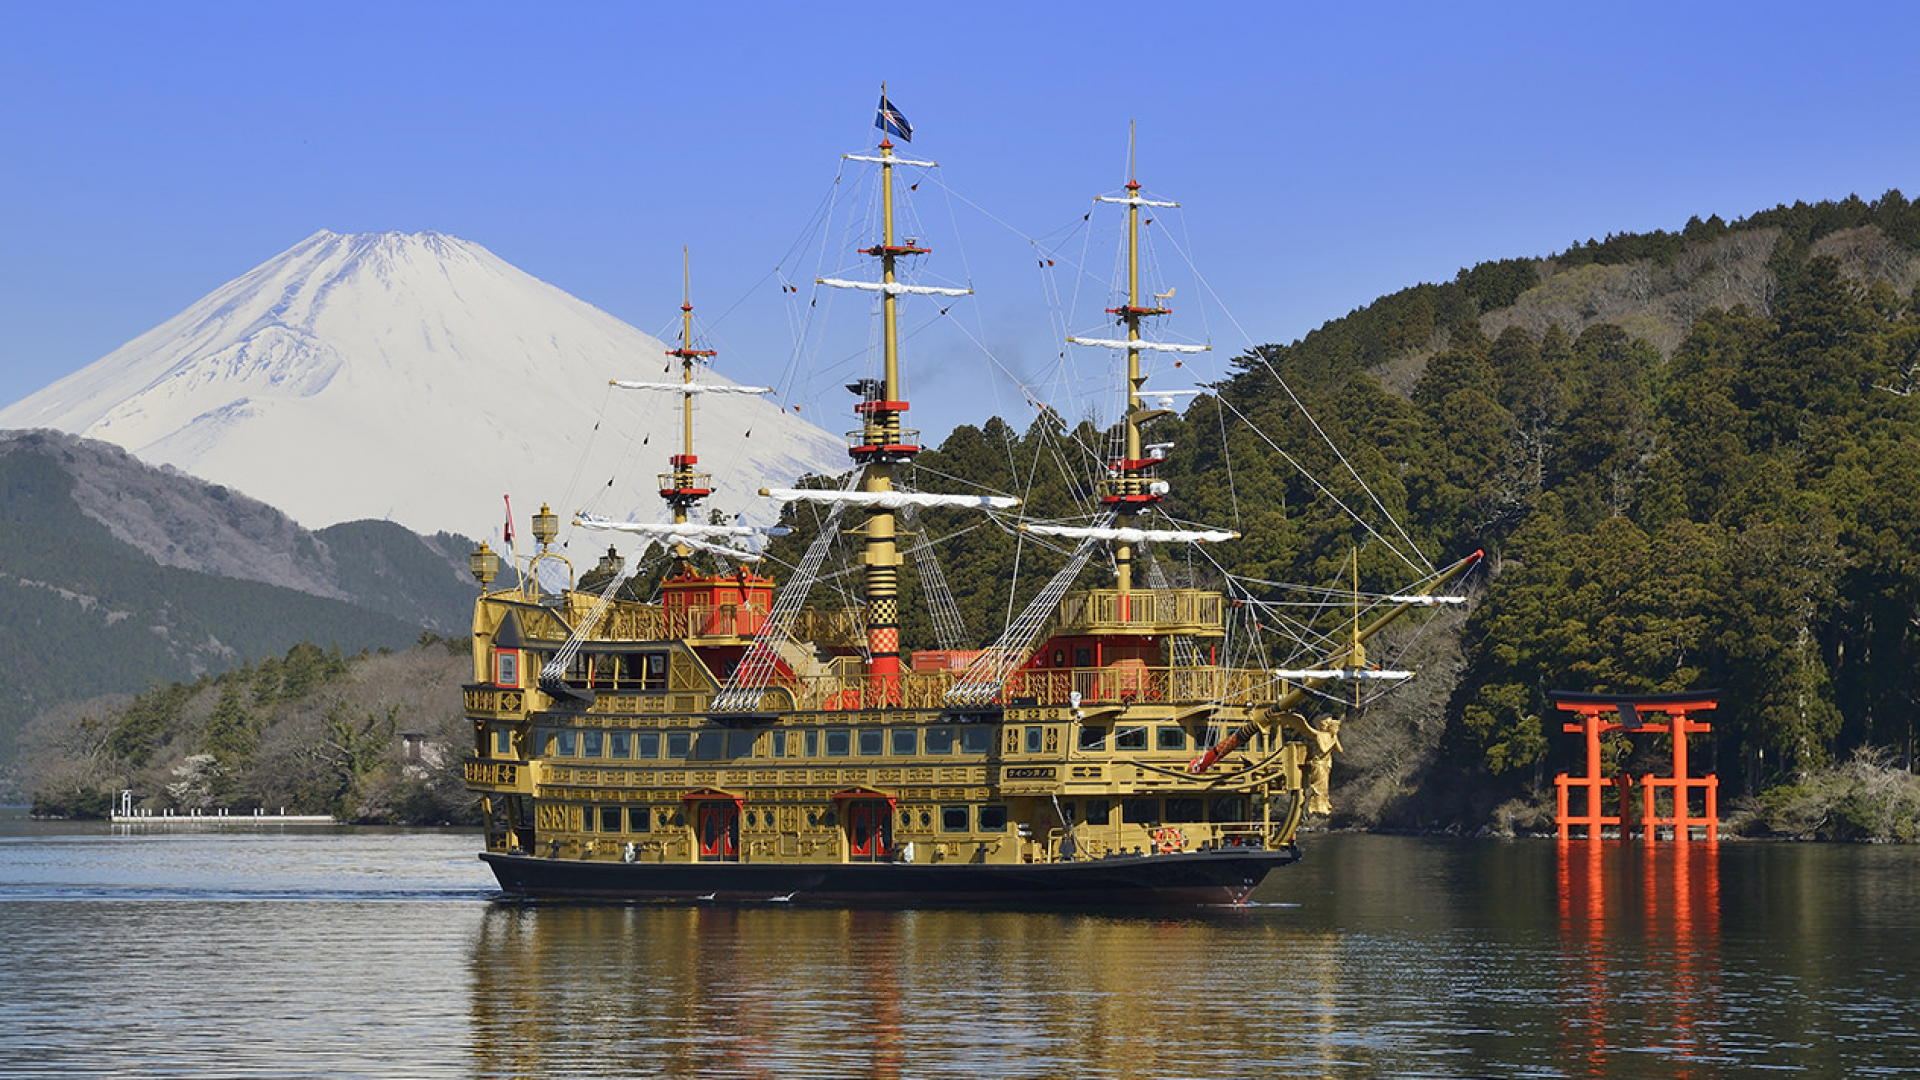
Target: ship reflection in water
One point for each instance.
(1383, 956)
(363, 953)
(1663, 997)
(775, 992)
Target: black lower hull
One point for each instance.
(1226, 877)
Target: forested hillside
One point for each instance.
(373, 738)
(115, 575)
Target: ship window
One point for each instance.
(953, 819)
(873, 742)
(586, 819)
(600, 672)
(1035, 739)
(1130, 738)
(1184, 810)
(740, 743)
(1170, 737)
(609, 819)
(706, 746)
(647, 745)
(502, 742)
(1140, 811)
(939, 740)
(1227, 808)
(678, 743)
(976, 739)
(777, 744)
(569, 744)
(592, 744)
(638, 819)
(620, 745)
(839, 742)
(993, 818)
(656, 671)
(506, 667)
(1082, 656)
(905, 741)
(1093, 738)
(1098, 811)
(813, 744)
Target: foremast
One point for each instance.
(685, 487)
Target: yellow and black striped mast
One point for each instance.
(883, 443)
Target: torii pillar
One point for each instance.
(1627, 711)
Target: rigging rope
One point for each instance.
(747, 685)
(982, 680)
(949, 629)
(554, 671)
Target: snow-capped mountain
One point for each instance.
(417, 378)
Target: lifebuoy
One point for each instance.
(1166, 841)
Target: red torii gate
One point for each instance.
(1628, 710)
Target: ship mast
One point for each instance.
(1131, 489)
(684, 487)
(883, 444)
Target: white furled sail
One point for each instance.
(668, 529)
(1132, 200)
(1134, 536)
(1139, 346)
(690, 388)
(1344, 674)
(892, 500)
(892, 161)
(893, 288)
(1426, 601)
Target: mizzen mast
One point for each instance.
(1131, 486)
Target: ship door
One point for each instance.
(716, 824)
(870, 830)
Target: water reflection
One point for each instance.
(1640, 938)
(360, 954)
(778, 992)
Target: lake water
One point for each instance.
(343, 952)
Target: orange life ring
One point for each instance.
(1167, 841)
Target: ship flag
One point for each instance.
(892, 122)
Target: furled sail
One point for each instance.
(669, 529)
(1132, 200)
(691, 388)
(892, 161)
(1138, 346)
(893, 288)
(892, 500)
(1346, 674)
(1134, 536)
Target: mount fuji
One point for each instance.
(417, 378)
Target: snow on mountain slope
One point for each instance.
(418, 378)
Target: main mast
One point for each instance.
(883, 443)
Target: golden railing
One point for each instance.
(1156, 611)
(1121, 683)
(654, 622)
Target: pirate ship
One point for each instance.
(722, 741)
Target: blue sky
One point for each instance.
(1325, 154)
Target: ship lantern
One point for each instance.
(484, 564)
(546, 525)
(611, 563)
